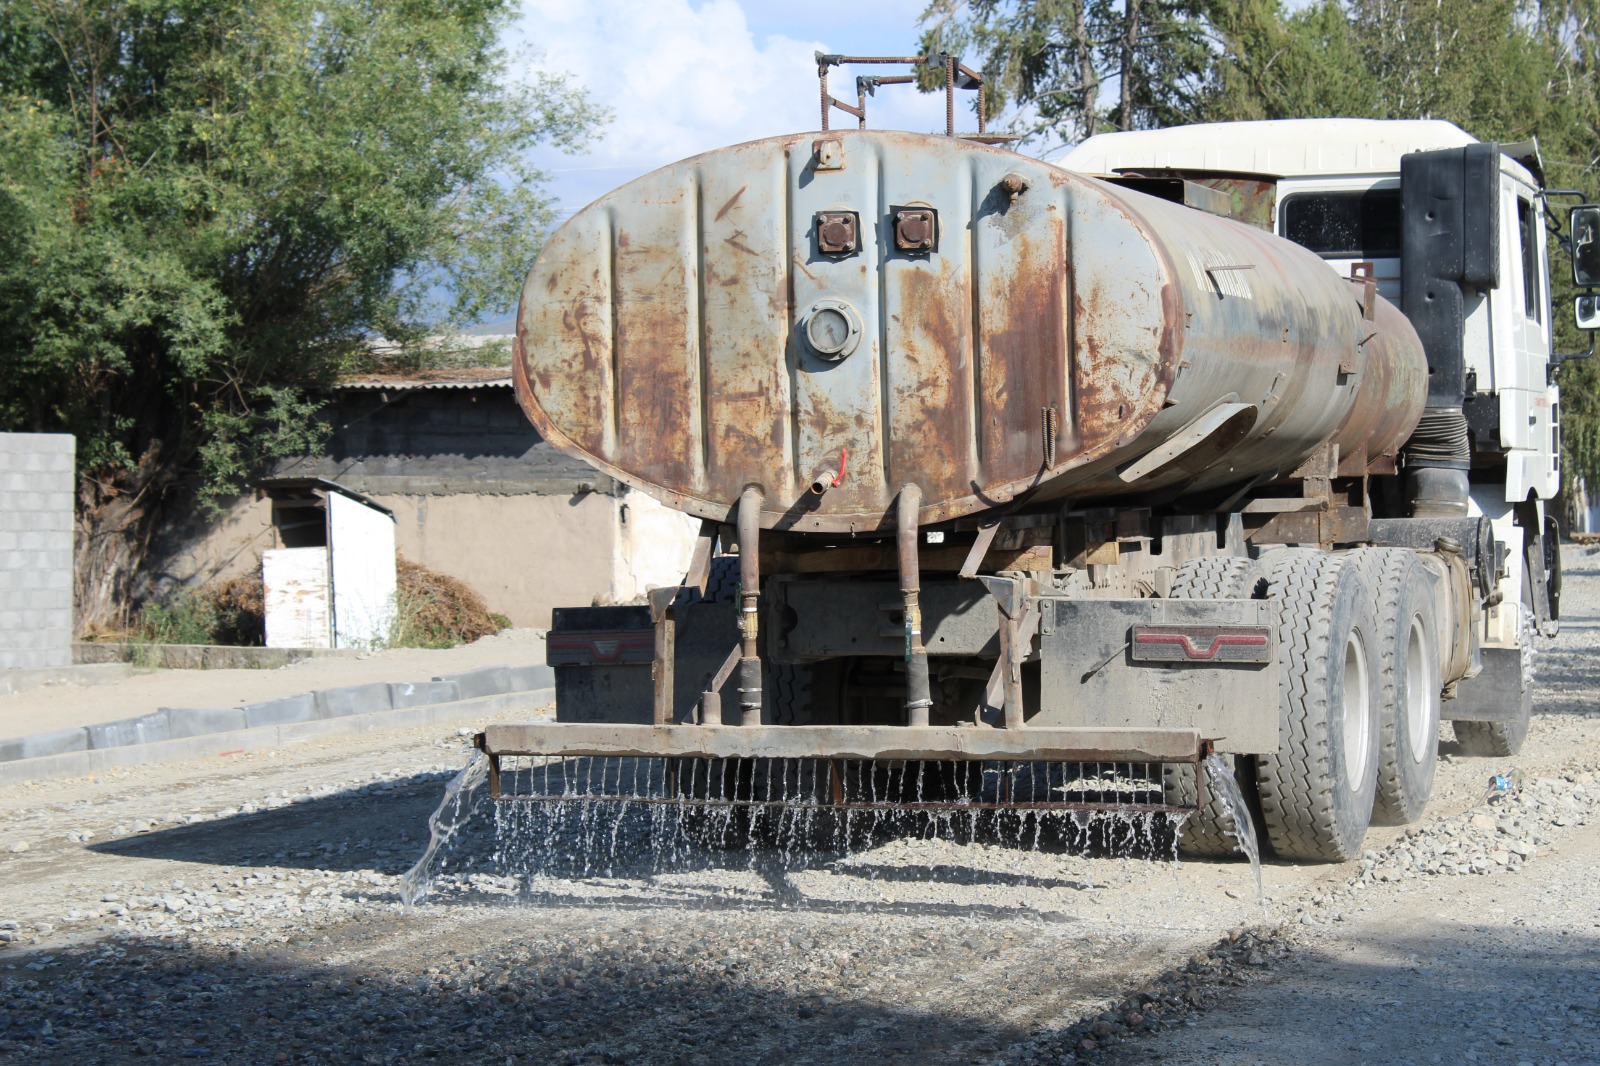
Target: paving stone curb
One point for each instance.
(171, 724)
(84, 762)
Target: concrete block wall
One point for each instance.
(36, 507)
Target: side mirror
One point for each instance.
(1585, 224)
(1586, 311)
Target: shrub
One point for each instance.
(227, 612)
(434, 610)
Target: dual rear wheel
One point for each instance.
(1358, 673)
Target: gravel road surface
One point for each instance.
(246, 910)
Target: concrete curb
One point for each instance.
(264, 738)
(329, 704)
(201, 656)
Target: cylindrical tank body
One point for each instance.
(762, 313)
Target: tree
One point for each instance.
(1053, 57)
(1305, 65)
(207, 206)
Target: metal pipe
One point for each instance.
(661, 670)
(822, 87)
(1011, 678)
(919, 697)
(749, 604)
(711, 698)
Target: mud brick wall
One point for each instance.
(441, 442)
(36, 550)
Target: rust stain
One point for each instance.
(713, 390)
(930, 400)
(731, 201)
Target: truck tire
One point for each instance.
(722, 582)
(787, 686)
(1317, 789)
(1209, 832)
(1407, 646)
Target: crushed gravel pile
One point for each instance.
(1500, 835)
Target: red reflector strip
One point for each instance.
(596, 647)
(1229, 644)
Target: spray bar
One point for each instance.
(1081, 744)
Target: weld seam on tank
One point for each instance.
(702, 332)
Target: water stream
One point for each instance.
(453, 811)
(1219, 778)
(616, 824)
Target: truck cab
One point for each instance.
(1334, 187)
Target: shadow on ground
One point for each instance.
(358, 830)
(587, 1003)
(1442, 993)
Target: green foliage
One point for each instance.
(208, 205)
(1052, 57)
(1305, 65)
(188, 619)
(230, 612)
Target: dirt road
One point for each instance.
(246, 911)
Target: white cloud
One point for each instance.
(682, 79)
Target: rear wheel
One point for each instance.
(1317, 789)
(1210, 831)
(1407, 647)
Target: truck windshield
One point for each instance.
(1345, 225)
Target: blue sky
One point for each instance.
(685, 76)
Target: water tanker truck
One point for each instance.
(1231, 439)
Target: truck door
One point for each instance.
(1528, 427)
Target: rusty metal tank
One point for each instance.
(932, 311)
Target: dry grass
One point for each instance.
(434, 610)
(229, 612)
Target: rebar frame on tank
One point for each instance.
(957, 75)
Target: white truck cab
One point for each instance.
(1334, 186)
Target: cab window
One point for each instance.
(1526, 223)
(1345, 225)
